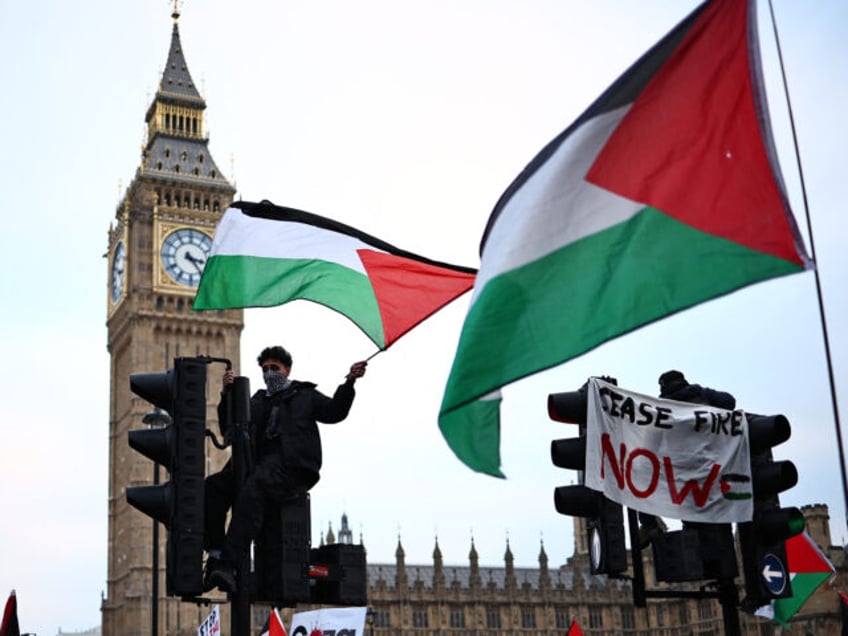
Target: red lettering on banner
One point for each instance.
(617, 467)
(655, 472)
(622, 472)
(699, 494)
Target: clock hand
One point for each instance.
(197, 262)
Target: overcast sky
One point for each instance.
(406, 120)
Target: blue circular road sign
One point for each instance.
(773, 573)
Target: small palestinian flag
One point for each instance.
(265, 255)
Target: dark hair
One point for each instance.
(671, 382)
(275, 353)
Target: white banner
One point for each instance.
(340, 621)
(212, 625)
(667, 458)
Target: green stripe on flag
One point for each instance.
(573, 299)
(250, 281)
(473, 432)
(803, 586)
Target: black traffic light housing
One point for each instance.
(180, 448)
(604, 518)
(762, 540)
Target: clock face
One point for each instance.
(184, 253)
(119, 271)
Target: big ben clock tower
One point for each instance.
(158, 244)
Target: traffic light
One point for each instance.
(604, 518)
(179, 447)
(762, 540)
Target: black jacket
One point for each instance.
(289, 418)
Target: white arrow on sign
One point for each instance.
(769, 575)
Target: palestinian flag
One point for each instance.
(265, 255)
(665, 193)
(808, 568)
(274, 626)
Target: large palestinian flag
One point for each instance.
(665, 193)
(265, 255)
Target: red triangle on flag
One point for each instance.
(408, 291)
(804, 557)
(9, 625)
(692, 144)
(275, 624)
(574, 630)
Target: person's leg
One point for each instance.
(219, 493)
(268, 482)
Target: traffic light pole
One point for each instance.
(239, 407)
(726, 593)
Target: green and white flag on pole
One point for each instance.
(666, 192)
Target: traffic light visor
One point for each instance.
(774, 477)
(569, 453)
(780, 524)
(577, 501)
(156, 388)
(154, 443)
(569, 406)
(154, 501)
(766, 431)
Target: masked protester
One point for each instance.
(285, 449)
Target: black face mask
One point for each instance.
(275, 381)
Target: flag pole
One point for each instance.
(828, 358)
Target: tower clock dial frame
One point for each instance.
(180, 256)
(118, 272)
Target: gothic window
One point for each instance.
(562, 621)
(596, 618)
(205, 204)
(160, 303)
(167, 152)
(660, 616)
(197, 172)
(200, 158)
(177, 168)
(684, 613)
(705, 609)
(216, 206)
(493, 618)
(419, 618)
(212, 174)
(457, 617)
(382, 618)
(159, 165)
(528, 618)
(194, 125)
(628, 620)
